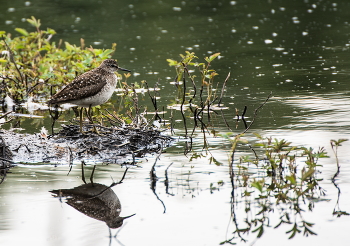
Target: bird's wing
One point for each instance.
(85, 85)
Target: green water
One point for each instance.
(298, 50)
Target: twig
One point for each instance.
(223, 88)
(12, 59)
(256, 113)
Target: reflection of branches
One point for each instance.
(335, 144)
(154, 179)
(288, 190)
(256, 112)
(112, 185)
(115, 236)
(166, 181)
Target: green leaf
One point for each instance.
(261, 231)
(307, 174)
(172, 62)
(106, 54)
(34, 22)
(216, 162)
(51, 31)
(22, 31)
(257, 184)
(69, 46)
(212, 57)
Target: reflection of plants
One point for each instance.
(335, 145)
(31, 64)
(289, 184)
(197, 93)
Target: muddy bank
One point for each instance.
(112, 145)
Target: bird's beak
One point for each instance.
(128, 216)
(124, 69)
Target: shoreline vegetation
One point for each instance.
(33, 67)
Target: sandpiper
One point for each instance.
(90, 89)
(95, 200)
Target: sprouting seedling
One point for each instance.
(335, 144)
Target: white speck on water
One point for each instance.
(268, 41)
(27, 3)
(295, 20)
(177, 8)
(132, 49)
(255, 27)
(305, 33)
(233, 2)
(8, 22)
(279, 48)
(274, 34)
(233, 30)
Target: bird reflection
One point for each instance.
(95, 200)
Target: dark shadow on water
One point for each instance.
(95, 200)
(5, 160)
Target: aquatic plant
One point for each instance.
(286, 183)
(33, 65)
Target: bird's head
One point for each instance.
(112, 66)
(117, 221)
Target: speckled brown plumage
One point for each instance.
(92, 88)
(95, 200)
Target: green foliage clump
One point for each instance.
(31, 64)
(186, 67)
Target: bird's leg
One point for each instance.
(54, 116)
(82, 172)
(92, 175)
(91, 120)
(81, 119)
(89, 115)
